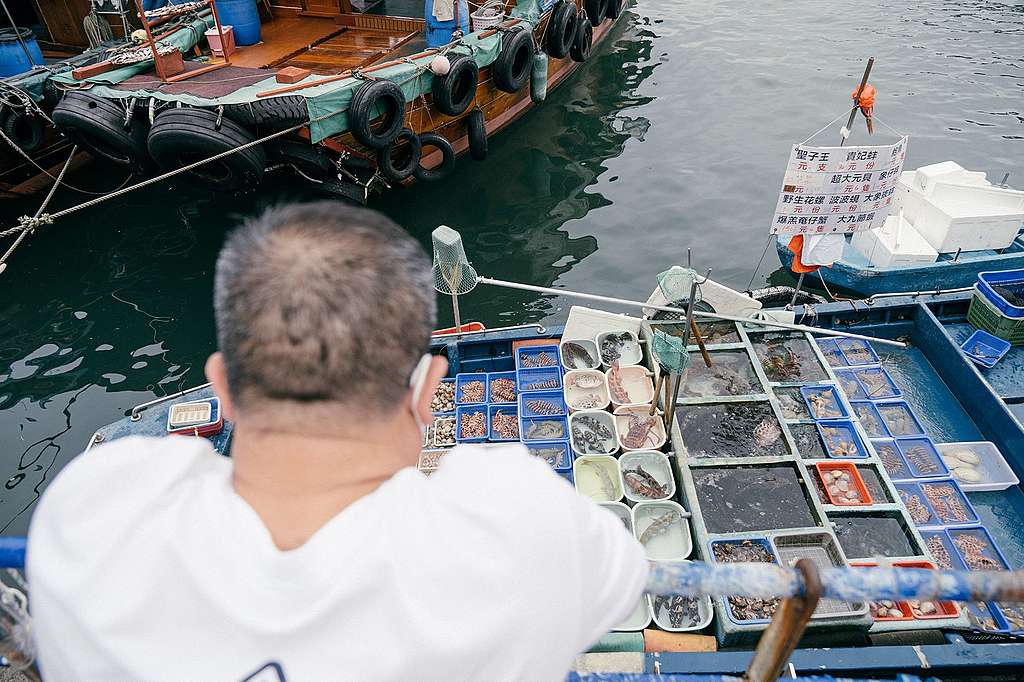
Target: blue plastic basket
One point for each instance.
(867, 414)
(526, 354)
(852, 350)
(463, 410)
(979, 531)
(993, 612)
(491, 376)
(833, 356)
(972, 515)
(931, 466)
(892, 461)
(757, 540)
(955, 562)
(808, 391)
(827, 431)
(893, 409)
(850, 385)
(563, 462)
(882, 388)
(985, 349)
(910, 488)
(552, 398)
(1003, 278)
(546, 379)
(504, 408)
(526, 422)
(463, 379)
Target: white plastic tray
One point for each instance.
(996, 474)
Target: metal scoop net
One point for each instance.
(670, 352)
(452, 272)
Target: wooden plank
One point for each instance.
(285, 37)
(63, 20)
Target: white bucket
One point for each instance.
(490, 14)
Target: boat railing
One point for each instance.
(870, 300)
(541, 329)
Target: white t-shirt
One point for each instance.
(144, 564)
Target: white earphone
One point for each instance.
(417, 380)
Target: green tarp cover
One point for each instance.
(327, 104)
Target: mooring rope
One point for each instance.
(26, 224)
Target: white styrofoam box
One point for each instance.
(948, 172)
(587, 323)
(970, 218)
(895, 243)
(724, 300)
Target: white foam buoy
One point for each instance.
(440, 65)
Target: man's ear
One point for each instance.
(435, 372)
(217, 374)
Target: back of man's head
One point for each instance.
(321, 309)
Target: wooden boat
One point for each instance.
(341, 125)
(853, 273)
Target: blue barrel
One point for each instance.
(440, 32)
(13, 59)
(243, 17)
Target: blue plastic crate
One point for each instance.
(857, 352)
(757, 540)
(831, 394)
(870, 420)
(954, 563)
(546, 379)
(922, 457)
(1003, 608)
(899, 418)
(877, 383)
(892, 460)
(552, 398)
(1006, 278)
(462, 379)
(850, 385)
(446, 381)
(491, 376)
(526, 422)
(505, 408)
(992, 552)
(985, 349)
(528, 356)
(560, 462)
(567, 475)
(836, 431)
(944, 520)
(833, 356)
(927, 519)
(462, 411)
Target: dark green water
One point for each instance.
(674, 135)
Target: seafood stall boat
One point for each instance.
(882, 447)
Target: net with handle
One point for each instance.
(669, 352)
(452, 272)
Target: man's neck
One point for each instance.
(296, 483)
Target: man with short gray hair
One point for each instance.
(318, 551)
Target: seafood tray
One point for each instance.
(922, 458)
(744, 610)
(791, 403)
(543, 379)
(443, 400)
(542, 404)
(876, 383)
(875, 484)
(909, 611)
(1013, 615)
(977, 466)
(986, 617)
(501, 388)
(647, 476)
(532, 429)
(586, 390)
(555, 453)
(940, 548)
(471, 424)
(741, 499)
(430, 459)
(638, 430)
(678, 613)
(821, 548)
(823, 402)
(579, 354)
(842, 484)
(869, 418)
(850, 385)
(623, 513)
(442, 431)
(857, 352)
(471, 389)
(949, 503)
(663, 529)
(984, 349)
(787, 358)
(731, 430)
(630, 385)
(899, 419)
(639, 619)
(921, 513)
(503, 423)
(598, 477)
(830, 350)
(620, 346)
(891, 459)
(874, 534)
(841, 439)
(731, 374)
(593, 432)
(976, 549)
(537, 357)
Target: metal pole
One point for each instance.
(456, 276)
(671, 411)
(796, 292)
(679, 311)
(856, 99)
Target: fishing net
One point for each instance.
(670, 352)
(452, 272)
(676, 282)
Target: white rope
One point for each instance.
(826, 126)
(28, 225)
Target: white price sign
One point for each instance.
(838, 189)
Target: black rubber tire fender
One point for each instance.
(23, 129)
(456, 90)
(515, 61)
(306, 158)
(477, 133)
(52, 93)
(183, 136)
(561, 31)
(581, 46)
(276, 113)
(613, 9)
(596, 10)
(397, 170)
(365, 100)
(447, 165)
(97, 125)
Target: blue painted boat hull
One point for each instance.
(852, 273)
